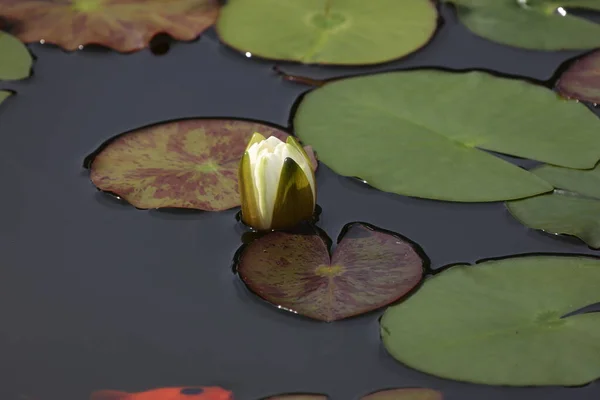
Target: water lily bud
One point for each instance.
(277, 183)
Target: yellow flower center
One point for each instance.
(329, 271)
(87, 5)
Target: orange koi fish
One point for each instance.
(179, 393)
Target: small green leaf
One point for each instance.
(15, 59)
(4, 94)
(328, 31)
(419, 133)
(554, 4)
(405, 394)
(581, 80)
(368, 269)
(502, 323)
(573, 209)
(535, 25)
(123, 25)
(189, 163)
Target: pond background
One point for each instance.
(95, 294)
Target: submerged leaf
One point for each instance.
(531, 24)
(404, 394)
(327, 31)
(15, 59)
(123, 25)
(368, 269)
(582, 80)
(502, 323)
(189, 163)
(418, 133)
(573, 209)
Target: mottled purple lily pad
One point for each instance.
(368, 269)
(405, 394)
(189, 163)
(581, 80)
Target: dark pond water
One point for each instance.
(95, 294)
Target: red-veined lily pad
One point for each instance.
(368, 269)
(405, 394)
(123, 25)
(15, 59)
(189, 163)
(298, 396)
(582, 80)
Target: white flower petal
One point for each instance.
(266, 164)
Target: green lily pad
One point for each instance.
(581, 80)
(586, 4)
(405, 394)
(502, 323)
(298, 396)
(369, 269)
(419, 133)
(534, 25)
(339, 32)
(190, 163)
(122, 25)
(15, 59)
(572, 209)
(4, 94)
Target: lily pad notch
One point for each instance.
(189, 163)
(369, 268)
(572, 209)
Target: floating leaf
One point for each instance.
(189, 163)
(15, 60)
(530, 24)
(418, 133)
(589, 4)
(368, 269)
(502, 323)
(582, 80)
(298, 396)
(123, 25)
(326, 31)
(573, 209)
(4, 94)
(405, 394)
